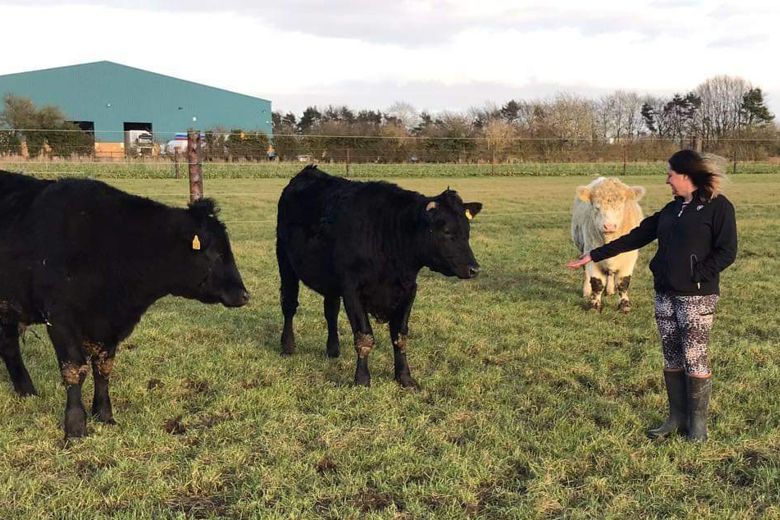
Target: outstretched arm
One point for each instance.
(643, 234)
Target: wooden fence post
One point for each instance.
(195, 167)
(492, 159)
(625, 158)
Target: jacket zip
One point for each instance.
(694, 261)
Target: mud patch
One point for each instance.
(174, 426)
(325, 465)
(92, 348)
(104, 364)
(374, 500)
(73, 374)
(364, 344)
(211, 420)
(196, 386)
(154, 383)
(400, 343)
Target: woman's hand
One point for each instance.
(582, 260)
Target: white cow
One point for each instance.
(604, 210)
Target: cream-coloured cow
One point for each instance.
(604, 210)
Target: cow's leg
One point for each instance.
(102, 365)
(12, 356)
(331, 308)
(289, 299)
(364, 336)
(610, 283)
(624, 304)
(399, 331)
(598, 282)
(74, 369)
(586, 290)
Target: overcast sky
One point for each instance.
(436, 55)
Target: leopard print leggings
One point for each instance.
(684, 323)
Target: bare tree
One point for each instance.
(405, 113)
(619, 116)
(721, 100)
(570, 117)
(498, 134)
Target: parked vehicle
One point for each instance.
(179, 144)
(139, 143)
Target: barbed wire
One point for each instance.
(601, 139)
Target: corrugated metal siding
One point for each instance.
(111, 94)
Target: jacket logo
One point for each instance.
(699, 207)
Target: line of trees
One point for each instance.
(724, 114)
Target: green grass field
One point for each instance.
(162, 169)
(530, 406)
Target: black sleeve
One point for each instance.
(643, 234)
(724, 244)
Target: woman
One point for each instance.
(697, 239)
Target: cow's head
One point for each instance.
(447, 220)
(209, 271)
(608, 198)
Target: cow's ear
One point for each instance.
(639, 192)
(583, 193)
(432, 205)
(472, 208)
(204, 208)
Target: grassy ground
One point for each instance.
(162, 169)
(530, 407)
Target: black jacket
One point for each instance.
(693, 248)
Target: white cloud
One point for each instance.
(434, 54)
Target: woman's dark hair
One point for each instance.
(703, 171)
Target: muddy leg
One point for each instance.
(624, 305)
(364, 336)
(102, 365)
(399, 330)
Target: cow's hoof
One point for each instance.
(288, 344)
(595, 307)
(624, 306)
(407, 381)
(25, 390)
(333, 351)
(75, 423)
(362, 381)
(104, 417)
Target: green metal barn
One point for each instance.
(111, 100)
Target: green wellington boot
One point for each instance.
(699, 391)
(678, 417)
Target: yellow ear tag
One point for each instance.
(469, 215)
(195, 243)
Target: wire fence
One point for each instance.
(73, 151)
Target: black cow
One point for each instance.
(87, 260)
(366, 242)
